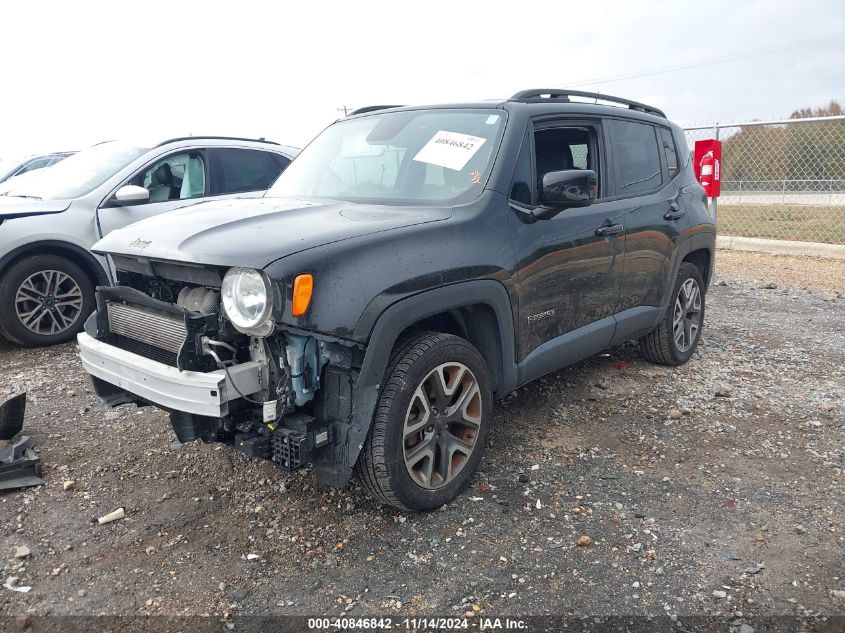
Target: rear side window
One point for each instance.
(248, 170)
(669, 151)
(636, 157)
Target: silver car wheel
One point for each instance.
(442, 425)
(686, 318)
(48, 302)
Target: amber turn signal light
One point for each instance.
(303, 286)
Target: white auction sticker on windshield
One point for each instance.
(450, 149)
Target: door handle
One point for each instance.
(610, 229)
(674, 212)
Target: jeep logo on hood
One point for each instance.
(140, 244)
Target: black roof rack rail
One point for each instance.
(373, 108)
(216, 138)
(545, 95)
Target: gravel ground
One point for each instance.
(610, 487)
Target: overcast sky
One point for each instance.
(75, 73)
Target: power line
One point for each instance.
(714, 60)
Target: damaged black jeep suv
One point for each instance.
(411, 265)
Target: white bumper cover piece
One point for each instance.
(200, 393)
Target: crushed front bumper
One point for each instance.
(199, 393)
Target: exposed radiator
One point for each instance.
(145, 325)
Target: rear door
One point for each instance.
(645, 168)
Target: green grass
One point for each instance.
(783, 222)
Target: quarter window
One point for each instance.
(580, 151)
(248, 170)
(635, 156)
(669, 151)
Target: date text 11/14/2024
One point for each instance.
(417, 624)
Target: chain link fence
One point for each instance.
(782, 180)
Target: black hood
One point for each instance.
(254, 232)
(17, 207)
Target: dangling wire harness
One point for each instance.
(207, 344)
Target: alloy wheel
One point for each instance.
(686, 318)
(48, 302)
(442, 425)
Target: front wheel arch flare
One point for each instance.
(386, 332)
(79, 256)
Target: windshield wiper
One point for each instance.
(23, 196)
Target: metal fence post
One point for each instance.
(721, 171)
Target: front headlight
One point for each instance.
(247, 300)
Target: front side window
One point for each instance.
(177, 177)
(248, 170)
(565, 148)
(79, 174)
(406, 157)
(635, 157)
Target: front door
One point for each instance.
(569, 267)
(174, 181)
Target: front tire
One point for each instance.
(675, 338)
(431, 423)
(44, 300)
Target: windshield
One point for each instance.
(8, 167)
(409, 157)
(78, 174)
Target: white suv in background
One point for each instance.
(49, 222)
(16, 168)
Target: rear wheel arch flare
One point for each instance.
(701, 259)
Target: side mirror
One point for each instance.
(569, 188)
(131, 194)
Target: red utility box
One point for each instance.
(707, 161)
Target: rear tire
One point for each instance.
(430, 425)
(675, 338)
(44, 300)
